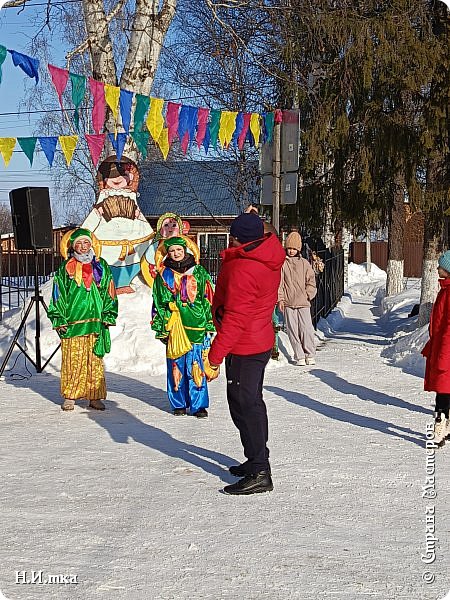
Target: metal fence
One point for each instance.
(330, 285)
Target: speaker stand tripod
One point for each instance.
(37, 300)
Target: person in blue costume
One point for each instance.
(181, 319)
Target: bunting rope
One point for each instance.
(163, 121)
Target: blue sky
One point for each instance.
(16, 29)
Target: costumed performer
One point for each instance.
(182, 297)
(83, 306)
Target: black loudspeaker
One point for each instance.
(31, 217)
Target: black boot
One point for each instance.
(251, 484)
(239, 470)
(201, 414)
(179, 412)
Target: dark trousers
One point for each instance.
(245, 375)
(443, 404)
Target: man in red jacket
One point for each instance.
(245, 295)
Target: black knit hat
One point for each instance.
(247, 227)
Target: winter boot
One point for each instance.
(301, 362)
(97, 405)
(68, 404)
(251, 484)
(441, 428)
(179, 412)
(310, 360)
(201, 414)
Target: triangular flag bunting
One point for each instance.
(163, 142)
(112, 96)
(95, 143)
(118, 143)
(3, 53)
(48, 145)
(202, 124)
(140, 110)
(255, 127)
(172, 120)
(68, 144)
(7, 148)
(227, 127)
(78, 92)
(99, 108)
(214, 125)
(126, 101)
(28, 144)
(28, 64)
(242, 136)
(60, 78)
(155, 119)
(141, 140)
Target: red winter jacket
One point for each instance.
(437, 349)
(245, 297)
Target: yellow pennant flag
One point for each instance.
(227, 126)
(112, 95)
(68, 145)
(155, 119)
(255, 127)
(6, 148)
(163, 142)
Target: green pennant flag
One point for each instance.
(78, 91)
(28, 144)
(141, 140)
(3, 53)
(142, 104)
(214, 126)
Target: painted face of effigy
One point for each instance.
(169, 228)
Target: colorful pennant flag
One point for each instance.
(60, 77)
(28, 64)
(78, 91)
(126, 101)
(141, 140)
(255, 127)
(227, 125)
(206, 140)
(163, 142)
(245, 127)
(202, 125)
(269, 121)
(140, 110)
(95, 143)
(6, 148)
(99, 108)
(237, 131)
(48, 145)
(118, 143)
(112, 96)
(28, 144)
(172, 120)
(3, 53)
(155, 119)
(68, 144)
(214, 125)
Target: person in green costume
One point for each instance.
(181, 318)
(83, 306)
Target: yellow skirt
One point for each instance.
(82, 373)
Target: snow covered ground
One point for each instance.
(129, 500)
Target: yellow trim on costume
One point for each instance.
(127, 245)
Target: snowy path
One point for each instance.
(129, 499)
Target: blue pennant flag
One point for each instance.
(29, 65)
(125, 102)
(48, 145)
(237, 131)
(118, 143)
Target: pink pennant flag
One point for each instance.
(96, 143)
(202, 124)
(59, 78)
(99, 108)
(172, 120)
(243, 134)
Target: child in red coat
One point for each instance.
(437, 353)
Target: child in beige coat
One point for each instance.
(297, 289)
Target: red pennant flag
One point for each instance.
(202, 124)
(243, 134)
(99, 108)
(172, 120)
(59, 78)
(95, 143)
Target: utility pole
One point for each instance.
(276, 176)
